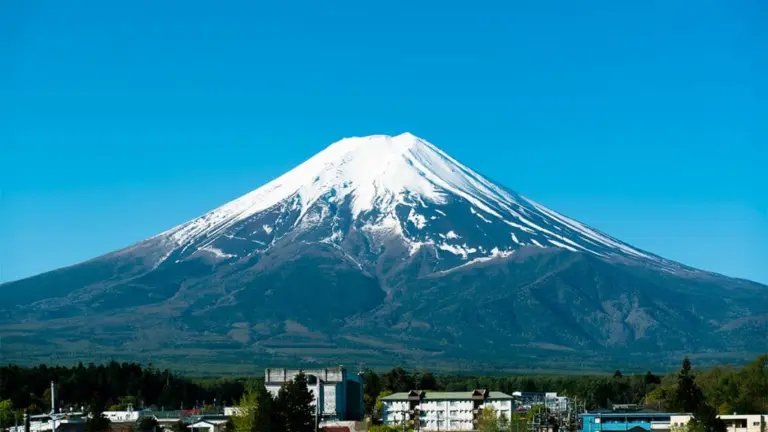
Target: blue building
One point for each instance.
(626, 420)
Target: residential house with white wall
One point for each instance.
(733, 422)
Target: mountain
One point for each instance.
(383, 250)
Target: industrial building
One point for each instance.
(338, 393)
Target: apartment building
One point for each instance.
(443, 411)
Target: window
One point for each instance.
(755, 423)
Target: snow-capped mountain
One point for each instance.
(383, 249)
(396, 189)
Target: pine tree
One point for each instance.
(687, 395)
(96, 420)
(690, 398)
(295, 406)
(265, 408)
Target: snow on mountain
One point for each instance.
(379, 175)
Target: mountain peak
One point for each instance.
(406, 190)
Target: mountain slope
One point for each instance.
(383, 249)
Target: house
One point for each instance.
(127, 416)
(219, 425)
(621, 419)
(338, 394)
(169, 419)
(733, 422)
(443, 410)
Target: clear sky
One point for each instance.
(644, 119)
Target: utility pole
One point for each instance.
(53, 407)
(317, 411)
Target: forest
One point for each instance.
(721, 389)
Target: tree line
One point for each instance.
(723, 389)
(727, 389)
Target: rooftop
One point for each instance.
(437, 396)
(628, 413)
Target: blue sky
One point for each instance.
(645, 119)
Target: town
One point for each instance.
(337, 399)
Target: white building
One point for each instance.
(232, 411)
(734, 422)
(219, 425)
(46, 423)
(557, 403)
(443, 410)
(126, 416)
(551, 400)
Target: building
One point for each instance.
(443, 410)
(558, 404)
(339, 394)
(64, 422)
(745, 422)
(528, 399)
(218, 425)
(127, 416)
(626, 418)
(734, 422)
(169, 419)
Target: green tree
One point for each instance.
(379, 406)
(371, 389)
(427, 381)
(384, 428)
(244, 419)
(488, 421)
(180, 426)
(689, 398)
(7, 414)
(265, 407)
(504, 424)
(147, 424)
(96, 421)
(688, 395)
(295, 406)
(397, 380)
(538, 409)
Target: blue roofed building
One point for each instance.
(627, 418)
